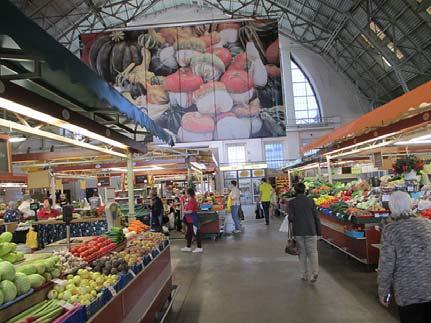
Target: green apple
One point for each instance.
(67, 295)
(59, 288)
(77, 280)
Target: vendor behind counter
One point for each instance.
(47, 211)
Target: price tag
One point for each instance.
(151, 255)
(59, 281)
(112, 290)
(66, 305)
(158, 250)
(132, 273)
(410, 188)
(89, 268)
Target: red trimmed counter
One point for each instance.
(360, 248)
(144, 297)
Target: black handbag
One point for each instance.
(259, 211)
(240, 213)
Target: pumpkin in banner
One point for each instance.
(111, 53)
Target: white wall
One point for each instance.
(337, 95)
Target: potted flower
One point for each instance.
(408, 166)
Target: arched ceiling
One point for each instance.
(383, 46)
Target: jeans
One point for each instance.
(190, 233)
(415, 313)
(235, 217)
(265, 206)
(308, 257)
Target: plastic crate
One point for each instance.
(137, 268)
(97, 304)
(147, 260)
(155, 253)
(16, 300)
(76, 315)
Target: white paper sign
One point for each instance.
(112, 290)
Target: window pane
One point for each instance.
(312, 104)
(306, 105)
(274, 155)
(297, 76)
(300, 103)
(236, 154)
(299, 89)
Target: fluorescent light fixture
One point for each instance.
(34, 114)
(53, 136)
(17, 139)
(244, 166)
(413, 142)
(13, 185)
(142, 169)
(199, 166)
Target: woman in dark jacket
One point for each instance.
(157, 211)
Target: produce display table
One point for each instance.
(49, 231)
(210, 224)
(144, 297)
(360, 249)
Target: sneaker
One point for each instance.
(237, 231)
(186, 249)
(314, 278)
(198, 250)
(304, 278)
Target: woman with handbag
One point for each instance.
(191, 221)
(306, 229)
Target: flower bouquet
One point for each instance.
(409, 164)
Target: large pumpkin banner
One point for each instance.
(201, 82)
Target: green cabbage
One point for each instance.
(9, 290)
(36, 280)
(7, 271)
(6, 237)
(22, 284)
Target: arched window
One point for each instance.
(306, 105)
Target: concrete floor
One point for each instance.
(249, 278)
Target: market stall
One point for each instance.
(108, 277)
(359, 165)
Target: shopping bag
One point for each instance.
(259, 211)
(31, 239)
(229, 204)
(291, 247)
(240, 213)
(285, 225)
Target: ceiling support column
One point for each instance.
(130, 186)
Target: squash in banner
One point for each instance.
(111, 54)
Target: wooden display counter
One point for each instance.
(361, 249)
(144, 297)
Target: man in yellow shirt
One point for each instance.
(266, 192)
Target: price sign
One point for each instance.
(59, 281)
(65, 305)
(112, 290)
(151, 255)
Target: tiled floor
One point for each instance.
(249, 278)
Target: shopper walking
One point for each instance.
(405, 262)
(191, 221)
(235, 197)
(306, 229)
(266, 192)
(157, 211)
